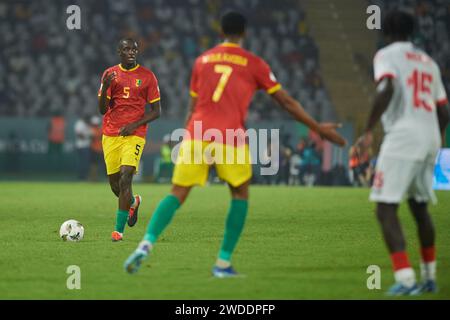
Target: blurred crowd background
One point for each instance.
(61, 69)
(49, 77)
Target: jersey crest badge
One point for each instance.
(138, 82)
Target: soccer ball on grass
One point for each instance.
(71, 230)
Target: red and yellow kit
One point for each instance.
(224, 80)
(129, 93)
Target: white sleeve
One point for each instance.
(440, 97)
(383, 67)
(78, 127)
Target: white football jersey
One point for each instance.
(410, 121)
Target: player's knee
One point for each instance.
(115, 189)
(240, 192)
(125, 180)
(180, 193)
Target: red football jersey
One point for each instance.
(129, 93)
(224, 80)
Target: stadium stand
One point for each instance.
(45, 68)
(433, 29)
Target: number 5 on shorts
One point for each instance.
(138, 149)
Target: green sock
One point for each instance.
(233, 227)
(132, 201)
(121, 220)
(161, 217)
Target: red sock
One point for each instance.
(400, 260)
(428, 254)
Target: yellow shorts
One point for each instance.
(122, 151)
(232, 164)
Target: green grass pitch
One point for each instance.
(298, 243)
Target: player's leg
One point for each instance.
(125, 200)
(238, 176)
(396, 244)
(161, 218)
(420, 193)
(426, 233)
(112, 148)
(186, 175)
(131, 154)
(164, 212)
(235, 221)
(392, 180)
(114, 183)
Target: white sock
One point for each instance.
(405, 276)
(428, 270)
(223, 263)
(145, 245)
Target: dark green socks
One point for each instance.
(161, 217)
(233, 227)
(121, 220)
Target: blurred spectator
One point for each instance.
(310, 165)
(12, 160)
(433, 29)
(165, 165)
(359, 164)
(56, 136)
(294, 169)
(171, 34)
(285, 165)
(97, 164)
(82, 142)
(269, 159)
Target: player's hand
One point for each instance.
(109, 78)
(328, 131)
(365, 141)
(127, 130)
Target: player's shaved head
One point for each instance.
(398, 25)
(233, 23)
(126, 41)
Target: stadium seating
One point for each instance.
(44, 67)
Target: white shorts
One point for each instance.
(395, 178)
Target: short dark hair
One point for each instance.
(233, 23)
(398, 24)
(119, 45)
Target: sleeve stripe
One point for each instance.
(106, 96)
(274, 89)
(442, 102)
(155, 100)
(385, 75)
(193, 94)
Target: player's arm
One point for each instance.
(103, 101)
(191, 107)
(441, 104)
(383, 96)
(444, 118)
(153, 113)
(295, 109)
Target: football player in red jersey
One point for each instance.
(223, 82)
(125, 91)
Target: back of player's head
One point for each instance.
(233, 23)
(398, 25)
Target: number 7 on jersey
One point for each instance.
(225, 72)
